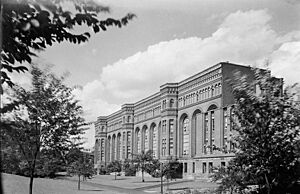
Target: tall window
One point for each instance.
(128, 143)
(205, 133)
(186, 135)
(164, 127)
(226, 125)
(193, 169)
(164, 139)
(146, 135)
(212, 123)
(155, 141)
(210, 167)
(102, 150)
(119, 149)
(113, 154)
(123, 144)
(204, 167)
(163, 146)
(164, 104)
(172, 103)
(171, 137)
(139, 141)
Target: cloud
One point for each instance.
(243, 37)
(285, 62)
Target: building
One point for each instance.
(184, 120)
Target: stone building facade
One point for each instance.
(184, 120)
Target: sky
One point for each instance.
(170, 40)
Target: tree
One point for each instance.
(83, 166)
(268, 135)
(47, 118)
(142, 160)
(153, 168)
(115, 166)
(32, 25)
(128, 167)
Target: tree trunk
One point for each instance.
(143, 176)
(79, 182)
(115, 175)
(268, 184)
(161, 184)
(31, 184)
(32, 175)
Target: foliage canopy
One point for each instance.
(268, 136)
(32, 25)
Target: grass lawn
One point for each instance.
(14, 184)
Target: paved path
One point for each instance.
(165, 185)
(133, 185)
(111, 188)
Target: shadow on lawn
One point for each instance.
(91, 190)
(151, 181)
(118, 179)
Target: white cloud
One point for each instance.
(285, 62)
(243, 37)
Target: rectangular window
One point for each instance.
(102, 150)
(204, 167)
(123, 145)
(232, 118)
(226, 124)
(128, 143)
(164, 146)
(171, 136)
(185, 167)
(164, 127)
(193, 167)
(223, 164)
(154, 138)
(210, 167)
(205, 133)
(212, 125)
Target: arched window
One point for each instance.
(102, 146)
(138, 140)
(118, 147)
(109, 148)
(113, 145)
(186, 135)
(146, 136)
(155, 141)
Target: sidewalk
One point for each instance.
(151, 185)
